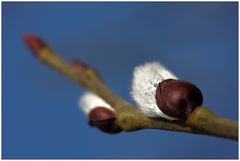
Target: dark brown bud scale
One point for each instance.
(178, 98)
(104, 119)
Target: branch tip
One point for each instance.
(34, 43)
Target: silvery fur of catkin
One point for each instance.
(89, 101)
(144, 84)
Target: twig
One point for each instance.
(201, 121)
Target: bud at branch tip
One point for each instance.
(34, 43)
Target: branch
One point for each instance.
(201, 121)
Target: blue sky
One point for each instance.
(40, 116)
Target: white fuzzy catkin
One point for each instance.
(89, 101)
(144, 84)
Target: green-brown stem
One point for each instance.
(206, 121)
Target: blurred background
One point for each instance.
(40, 115)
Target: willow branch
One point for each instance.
(201, 121)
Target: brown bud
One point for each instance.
(178, 98)
(80, 65)
(104, 119)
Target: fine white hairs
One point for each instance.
(89, 101)
(144, 84)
